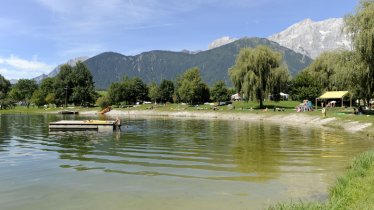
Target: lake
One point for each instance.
(168, 163)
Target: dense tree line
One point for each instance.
(188, 88)
(72, 85)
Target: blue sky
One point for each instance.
(37, 35)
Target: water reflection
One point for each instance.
(203, 149)
(236, 161)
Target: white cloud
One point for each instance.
(99, 22)
(19, 63)
(13, 67)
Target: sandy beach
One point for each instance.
(295, 119)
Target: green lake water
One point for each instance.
(163, 163)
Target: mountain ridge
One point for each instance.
(157, 65)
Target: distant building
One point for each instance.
(284, 96)
(236, 97)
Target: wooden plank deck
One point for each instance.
(68, 112)
(99, 125)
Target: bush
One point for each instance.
(103, 102)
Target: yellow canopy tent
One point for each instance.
(334, 95)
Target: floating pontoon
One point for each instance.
(68, 112)
(69, 125)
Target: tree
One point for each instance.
(103, 102)
(83, 86)
(4, 87)
(63, 85)
(5, 101)
(23, 91)
(38, 98)
(139, 89)
(279, 82)
(74, 85)
(304, 86)
(324, 69)
(191, 88)
(360, 25)
(115, 95)
(154, 92)
(203, 93)
(129, 91)
(166, 89)
(47, 85)
(50, 98)
(219, 92)
(47, 89)
(251, 73)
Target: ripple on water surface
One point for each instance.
(156, 163)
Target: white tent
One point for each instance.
(284, 95)
(236, 97)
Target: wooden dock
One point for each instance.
(68, 112)
(74, 125)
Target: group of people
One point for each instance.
(358, 111)
(305, 106)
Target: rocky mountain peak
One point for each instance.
(55, 71)
(221, 41)
(312, 38)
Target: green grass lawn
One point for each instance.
(237, 107)
(36, 110)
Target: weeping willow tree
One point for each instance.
(330, 70)
(323, 70)
(361, 28)
(258, 72)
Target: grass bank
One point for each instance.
(354, 190)
(36, 110)
(340, 118)
(337, 117)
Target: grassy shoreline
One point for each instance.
(354, 190)
(337, 118)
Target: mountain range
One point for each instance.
(312, 38)
(157, 65)
(298, 44)
(55, 71)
